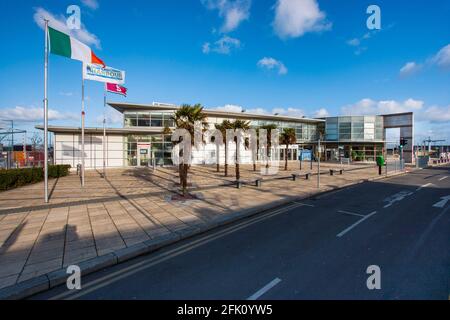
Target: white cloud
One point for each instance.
(321, 113)
(358, 43)
(432, 114)
(112, 117)
(33, 114)
(230, 108)
(442, 58)
(233, 12)
(409, 69)
(222, 46)
(66, 94)
(291, 112)
(239, 109)
(206, 47)
(91, 4)
(354, 42)
(437, 114)
(294, 18)
(271, 63)
(258, 111)
(59, 23)
(372, 107)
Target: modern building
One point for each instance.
(143, 137)
(356, 137)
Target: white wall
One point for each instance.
(68, 150)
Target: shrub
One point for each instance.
(57, 171)
(14, 178)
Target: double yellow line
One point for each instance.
(163, 256)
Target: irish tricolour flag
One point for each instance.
(67, 46)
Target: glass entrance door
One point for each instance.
(143, 156)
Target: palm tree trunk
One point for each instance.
(257, 152)
(217, 160)
(238, 173)
(286, 158)
(226, 160)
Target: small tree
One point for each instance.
(185, 118)
(36, 140)
(242, 125)
(269, 128)
(287, 137)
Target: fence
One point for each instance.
(422, 161)
(16, 159)
(393, 166)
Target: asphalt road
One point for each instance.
(317, 249)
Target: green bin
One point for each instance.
(380, 161)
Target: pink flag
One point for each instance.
(115, 88)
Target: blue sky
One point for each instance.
(296, 57)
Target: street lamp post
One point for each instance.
(318, 163)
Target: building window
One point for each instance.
(157, 120)
(168, 121)
(130, 119)
(143, 119)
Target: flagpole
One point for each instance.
(82, 126)
(46, 114)
(104, 131)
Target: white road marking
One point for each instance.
(443, 178)
(304, 204)
(442, 203)
(351, 213)
(396, 197)
(424, 186)
(123, 273)
(264, 289)
(355, 224)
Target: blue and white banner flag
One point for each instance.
(107, 74)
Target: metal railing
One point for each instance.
(393, 166)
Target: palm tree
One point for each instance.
(242, 125)
(287, 137)
(269, 128)
(257, 148)
(185, 118)
(226, 124)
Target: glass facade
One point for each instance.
(160, 147)
(141, 149)
(148, 119)
(305, 132)
(354, 128)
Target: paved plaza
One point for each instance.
(132, 206)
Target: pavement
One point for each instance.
(316, 248)
(131, 213)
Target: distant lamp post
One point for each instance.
(318, 159)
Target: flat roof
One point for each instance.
(132, 130)
(122, 107)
